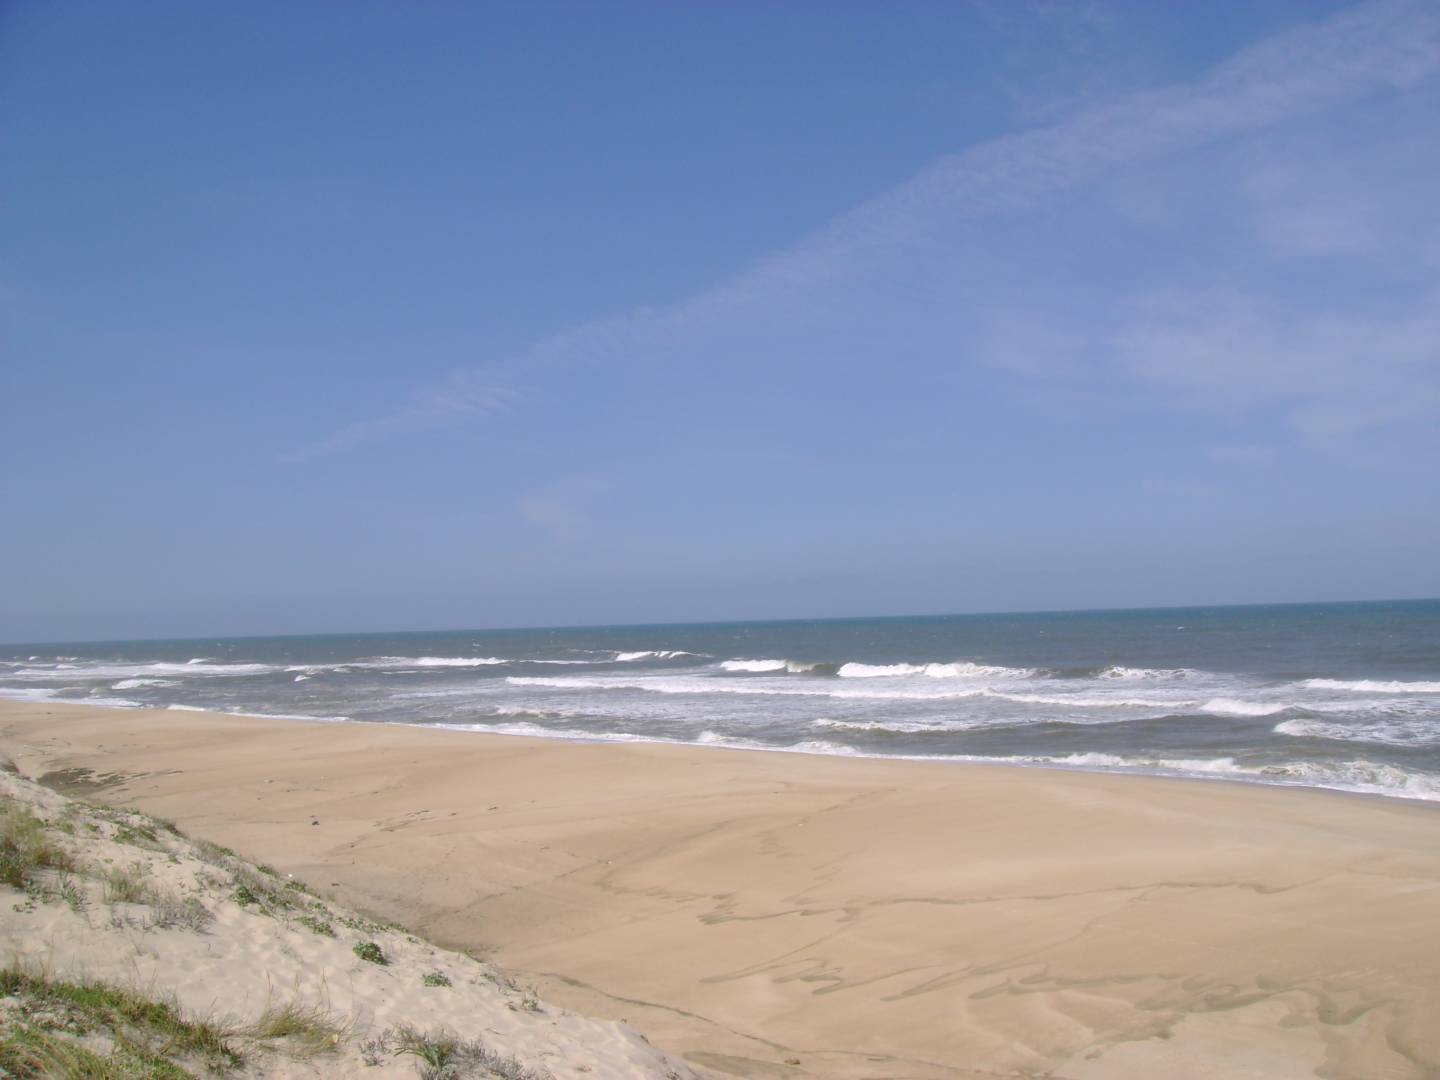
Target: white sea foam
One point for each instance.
(902, 727)
(28, 693)
(754, 665)
(804, 746)
(46, 693)
(537, 731)
(131, 684)
(1393, 732)
(307, 717)
(107, 671)
(1231, 707)
(539, 714)
(822, 746)
(666, 685)
(680, 684)
(442, 661)
(1373, 686)
(1118, 672)
(416, 663)
(650, 654)
(176, 707)
(959, 670)
(1366, 777)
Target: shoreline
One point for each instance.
(793, 914)
(627, 738)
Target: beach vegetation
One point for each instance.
(145, 1033)
(264, 891)
(362, 925)
(167, 825)
(139, 835)
(370, 952)
(213, 853)
(26, 847)
(127, 884)
(243, 896)
(30, 1051)
(374, 1051)
(442, 1055)
(308, 1030)
(296, 885)
(70, 890)
(316, 925)
(435, 978)
(185, 912)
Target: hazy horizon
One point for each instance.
(680, 623)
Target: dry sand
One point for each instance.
(779, 915)
(145, 910)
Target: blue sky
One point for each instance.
(389, 316)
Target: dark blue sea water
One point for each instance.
(1325, 695)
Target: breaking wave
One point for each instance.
(655, 654)
(1115, 671)
(959, 670)
(1231, 707)
(792, 667)
(1373, 686)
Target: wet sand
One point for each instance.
(783, 915)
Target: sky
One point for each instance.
(379, 316)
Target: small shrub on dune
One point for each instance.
(307, 1029)
(370, 952)
(243, 896)
(263, 890)
(185, 912)
(443, 1055)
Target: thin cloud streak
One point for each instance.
(1370, 48)
(463, 396)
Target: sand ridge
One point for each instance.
(784, 915)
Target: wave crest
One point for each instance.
(1373, 686)
(960, 669)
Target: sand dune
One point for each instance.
(258, 969)
(777, 915)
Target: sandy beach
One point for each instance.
(785, 915)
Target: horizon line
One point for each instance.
(725, 622)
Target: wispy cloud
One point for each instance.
(803, 297)
(462, 396)
(1330, 375)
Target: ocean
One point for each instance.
(1343, 696)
